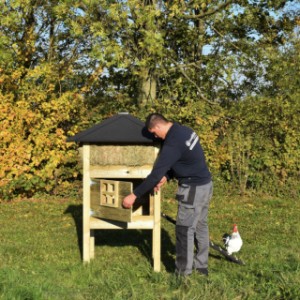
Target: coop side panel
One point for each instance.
(106, 200)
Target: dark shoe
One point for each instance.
(202, 271)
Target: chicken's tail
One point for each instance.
(226, 239)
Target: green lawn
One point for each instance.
(40, 254)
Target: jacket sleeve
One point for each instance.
(168, 156)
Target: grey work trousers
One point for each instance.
(192, 227)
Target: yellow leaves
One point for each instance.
(33, 146)
(16, 75)
(59, 132)
(50, 87)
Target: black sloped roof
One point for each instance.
(121, 128)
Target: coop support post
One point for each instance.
(87, 241)
(156, 236)
(92, 243)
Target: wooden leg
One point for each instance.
(86, 244)
(92, 244)
(156, 236)
(86, 203)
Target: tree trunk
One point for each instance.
(147, 88)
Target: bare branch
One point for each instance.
(181, 68)
(209, 12)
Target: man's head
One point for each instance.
(158, 125)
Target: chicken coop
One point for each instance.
(117, 154)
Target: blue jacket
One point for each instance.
(181, 157)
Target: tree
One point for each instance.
(203, 57)
(65, 64)
(40, 95)
(263, 140)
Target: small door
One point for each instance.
(107, 197)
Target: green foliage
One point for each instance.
(263, 138)
(220, 67)
(263, 143)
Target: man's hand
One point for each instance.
(162, 182)
(129, 200)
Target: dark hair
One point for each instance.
(153, 119)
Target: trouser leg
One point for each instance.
(202, 232)
(202, 240)
(184, 249)
(192, 228)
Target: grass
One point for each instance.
(40, 254)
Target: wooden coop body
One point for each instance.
(117, 155)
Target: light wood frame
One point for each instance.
(151, 222)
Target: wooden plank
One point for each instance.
(112, 213)
(86, 203)
(141, 222)
(120, 171)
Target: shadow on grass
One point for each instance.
(76, 212)
(142, 239)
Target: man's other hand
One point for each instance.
(129, 200)
(162, 182)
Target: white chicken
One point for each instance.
(233, 242)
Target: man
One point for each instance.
(182, 157)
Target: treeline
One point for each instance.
(230, 69)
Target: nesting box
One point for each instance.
(117, 155)
(106, 199)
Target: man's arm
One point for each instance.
(130, 199)
(165, 161)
